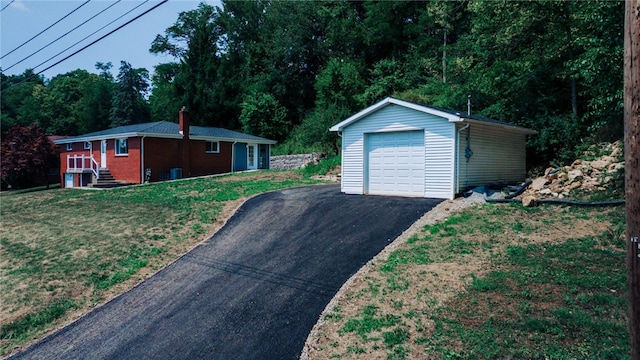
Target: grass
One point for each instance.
(496, 281)
(322, 167)
(64, 251)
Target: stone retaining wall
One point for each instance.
(291, 162)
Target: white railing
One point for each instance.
(81, 163)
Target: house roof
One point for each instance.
(450, 115)
(165, 129)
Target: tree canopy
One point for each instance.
(286, 70)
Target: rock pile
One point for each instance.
(292, 162)
(585, 175)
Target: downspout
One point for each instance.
(458, 156)
(233, 156)
(142, 173)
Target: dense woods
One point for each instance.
(289, 70)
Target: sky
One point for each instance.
(23, 19)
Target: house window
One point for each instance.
(69, 147)
(87, 145)
(213, 147)
(121, 147)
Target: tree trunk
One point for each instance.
(632, 165)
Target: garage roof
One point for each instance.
(451, 115)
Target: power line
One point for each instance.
(40, 33)
(88, 36)
(65, 34)
(6, 6)
(92, 43)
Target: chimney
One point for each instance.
(183, 123)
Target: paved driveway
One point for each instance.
(252, 291)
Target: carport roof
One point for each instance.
(165, 129)
(451, 115)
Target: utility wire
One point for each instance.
(6, 6)
(65, 34)
(93, 33)
(104, 36)
(40, 33)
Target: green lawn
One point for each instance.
(64, 251)
(496, 281)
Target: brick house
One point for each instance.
(156, 151)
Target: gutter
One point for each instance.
(457, 152)
(142, 173)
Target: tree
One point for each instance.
(26, 156)
(193, 40)
(262, 115)
(128, 105)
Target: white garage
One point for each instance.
(400, 148)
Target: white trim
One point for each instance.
(70, 146)
(116, 148)
(163, 136)
(87, 145)
(256, 154)
(391, 101)
(206, 146)
(426, 109)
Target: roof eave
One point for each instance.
(514, 128)
(214, 138)
(116, 136)
(389, 101)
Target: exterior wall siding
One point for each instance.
(439, 143)
(499, 156)
(439, 159)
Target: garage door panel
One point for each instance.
(396, 163)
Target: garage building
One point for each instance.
(401, 148)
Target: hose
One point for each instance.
(510, 199)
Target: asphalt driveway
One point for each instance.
(253, 290)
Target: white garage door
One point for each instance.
(395, 163)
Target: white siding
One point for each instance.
(439, 160)
(439, 145)
(499, 156)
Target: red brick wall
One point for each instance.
(124, 167)
(161, 155)
(203, 163)
(76, 149)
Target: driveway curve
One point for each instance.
(252, 291)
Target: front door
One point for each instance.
(252, 156)
(103, 154)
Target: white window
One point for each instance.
(122, 148)
(213, 147)
(87, 145)
(69, 147)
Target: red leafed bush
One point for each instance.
(26, 155)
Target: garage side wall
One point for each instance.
(499, 156)
(439, 145)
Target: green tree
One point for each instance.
(262, 115)
(194, 41)
(17, 105)
(129, 105)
